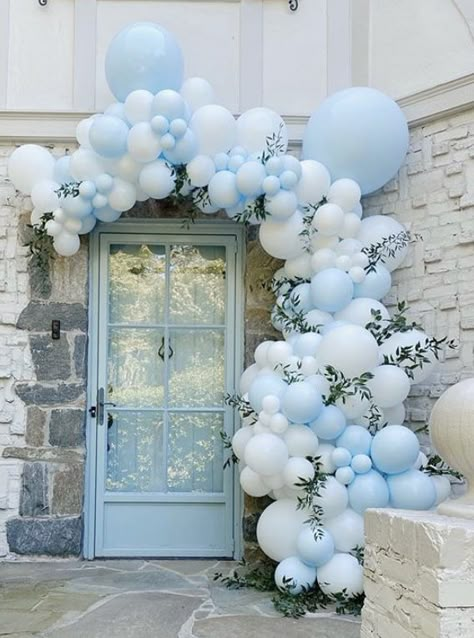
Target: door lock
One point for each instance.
(98, 411)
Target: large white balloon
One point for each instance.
(137, 106)
(252, 483)
(389, 386)
(314, 183)
(301, 441)
(333, 498)
(143, 144)
(266, 454)
(410, 339)
(341, 572)
(157, 180)
(85, 164)
(44, 196)
(347, 530)
(66, 244)
(278, 528)
(359, 311)
(28, 165)
(283, 239)
(215, 129)
(350, 349)
(374, 230)
(256, 127)
(197, 92)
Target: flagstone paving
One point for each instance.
(141, 599)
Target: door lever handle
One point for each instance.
(161, 350)
(101, 404)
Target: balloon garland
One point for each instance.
(322, 409)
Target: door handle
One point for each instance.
(101, 405)
(161, 350)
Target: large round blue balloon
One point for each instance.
(395, 449)
(358, 133)
(368, 490)
(411, 490)
(143, 56)
(331, 289)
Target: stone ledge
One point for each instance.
(46, 454)
(49, 536)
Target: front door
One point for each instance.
(165, 338)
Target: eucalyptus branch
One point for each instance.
(387, 248)
(274, 145)
(71, 189)
(383, 329)
(227, 445)
(312, 489)
(241, 405)
(289, 374)
(409, 358)
(342, 387)
(41, 244)
(437, 467)
(254, 210)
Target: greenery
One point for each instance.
(383, 329)
(409, 358)
(387, 248)
(40, 245)
(437, 467)
(312, 490)
(261, 578)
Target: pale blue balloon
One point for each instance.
(144, 55)
(301, 298)
(329, 327)
(394, 449)
(361, 463)
(341, 457)
(330, 423)
(301, 403)
(358, 133)
(411, 490)
(108, 136)
(356, 439)
(376, 285)
(368, 490)
(314, 547)
(345, 475)
(76, 207)
(294, 576)
(331, 290)
(117, 109)
(263, 385)
(87, 224)
(184, 150)
(106, 214)
(61, 170)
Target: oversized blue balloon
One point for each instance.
(356, 439)
(144, 55)
(368, 490)
(376, 284)
(411, 490)
(330, 423)
(331, 289)
(394, 449)
(358, 133)
(108, 136)
(302, 402)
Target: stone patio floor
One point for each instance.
(141, 599)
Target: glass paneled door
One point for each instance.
(166, 333)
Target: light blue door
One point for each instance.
(166, 355)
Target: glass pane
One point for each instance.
(135, 368)
(195, 454)
(197, 276)
(135, 452)
(196, 365)
(137, 284)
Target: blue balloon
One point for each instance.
(143, 56)
(345, 475)
(376, 285)
(358, 133)
(76, 207)
(341, 457)
(108, 136)
(315, 547)
(263, 385)
(106, 214)
(356, 439)
(368, 490)
(411, 490)
(331, 289)
(395, 449)
(61, 170)
(301, 403)
(330, 423)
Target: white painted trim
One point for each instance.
(85, 42)
(339, 45)
(251, 54)
(59, 126)
(4, 50)
(360, 33)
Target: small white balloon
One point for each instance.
(345, 193)
(143, 145)
(240, 440)
(197, 92)
(297, 469)
(137, 106)
(66, 244)
(252, 483)
(294, 576)
(215, 129)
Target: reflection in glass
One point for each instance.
(197, 284)
(195, 453)
(196, 368)
(135, 452)
(135, 370)
(137, 283)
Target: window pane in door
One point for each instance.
(136, 367)
(197, 285)
(195, 452)
(137, 283)
(196, 368)
(135, 452)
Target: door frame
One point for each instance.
(155, 227)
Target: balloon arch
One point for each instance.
(322, 409)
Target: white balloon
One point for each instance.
(299, 267)
(342, 572)
(124, 167)
(279, 423)
(345, 193)
(271, 404)
(278, 528)
(53, 228)
(82, 132)
(350, 226)
(301, 441)
(266, 454)
(215, 129)
(240, 440)
(44, 196)
(137, 106)
(275, 482)
(389, 386)
(247, 377)
(347, 530)
(123, 195)
(72, 226)
(322, 259)
(407, 339)
(261, 353)
(314, 183)
(66, 244)
(318, 318)
(223, 191)
(28, 165)
(296, 470)
(250, 177)
(283, 239)
(252, 483)
(197, 92)
(324, 456)
(281, 206)
(328, 219)
(374, 229)
(333, 498)
(359, 311)
(200, 170)
(395, 415)
(143, 145)
(278, 353)
(85, 165)
(256, 126)
(157, 180)
(350, 349)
